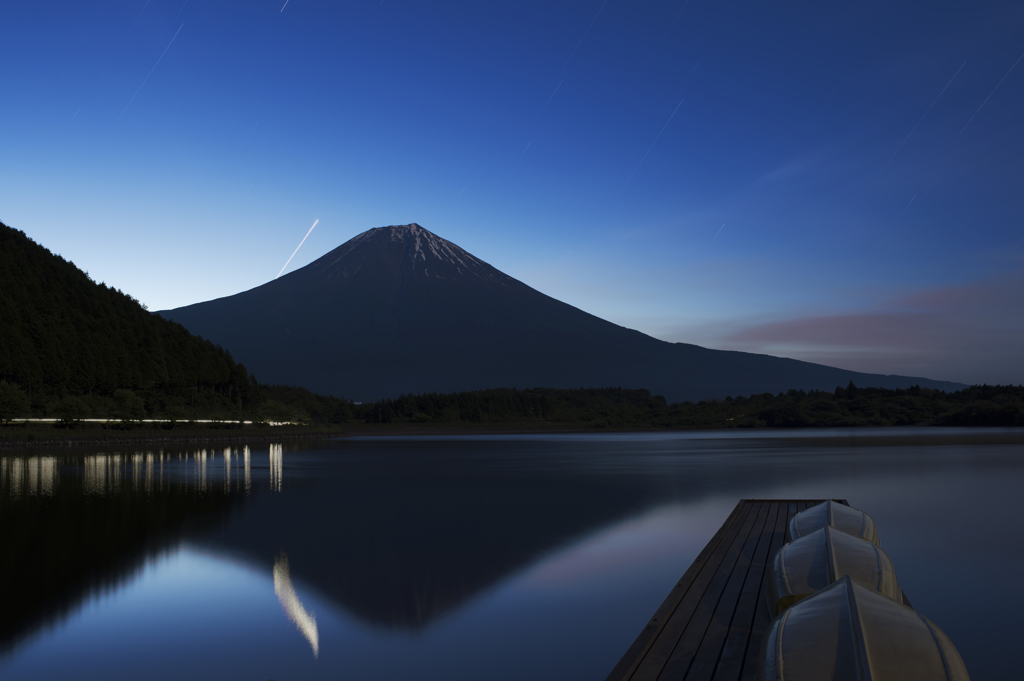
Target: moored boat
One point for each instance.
(847, 632)
(833, 514)
(809, 564)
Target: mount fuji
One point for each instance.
(400, 310)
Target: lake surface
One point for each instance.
(498, 557)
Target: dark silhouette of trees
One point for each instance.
(13, 402)
(65, 335)
(623, 408)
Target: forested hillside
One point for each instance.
(80, 346)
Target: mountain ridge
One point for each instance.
(64, 334)
(399, 310)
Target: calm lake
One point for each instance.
(487, 557)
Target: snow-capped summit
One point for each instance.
(410, 249)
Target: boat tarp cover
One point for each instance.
(846, 632)
(809, 564)
(834, 514)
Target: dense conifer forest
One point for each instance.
(74, 348)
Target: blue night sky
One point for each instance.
(792, 179)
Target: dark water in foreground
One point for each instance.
(536, 557)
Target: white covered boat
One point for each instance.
(809, 564)
(833, 514)
(847, 632)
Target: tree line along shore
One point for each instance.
(604, 408)
(622, 408)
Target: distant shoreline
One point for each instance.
(924, 434)
(51, 438)
(37, 438)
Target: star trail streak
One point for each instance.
(297, 248)
(150, 72)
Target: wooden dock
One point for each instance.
(711, 625)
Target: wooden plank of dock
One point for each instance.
(710, 626)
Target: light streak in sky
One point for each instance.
(922, 118)
(908, 205)
(993, 91)
(286, 4)
(139, 15)
(297, 247)
(658, 45)
(150, 72)
(708, 247)
(716, 234)
(653, 143)
(581, 39)
(524, 151)
(537, 119)
(549, 101)
(662, 130)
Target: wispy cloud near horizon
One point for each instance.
(971, 333)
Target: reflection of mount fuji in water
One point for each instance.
(396, 543)
(400, 542)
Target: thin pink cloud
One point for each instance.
(972, 333)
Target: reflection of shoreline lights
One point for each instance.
(102, 473)
(137, 460)
(227, 469)
(245, 455)
(202, 469)
(276, 466)
(304, 620)
(34, 476)
(138, 472)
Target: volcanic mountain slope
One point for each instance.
(400, 310)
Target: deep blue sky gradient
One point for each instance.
(541, 137)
